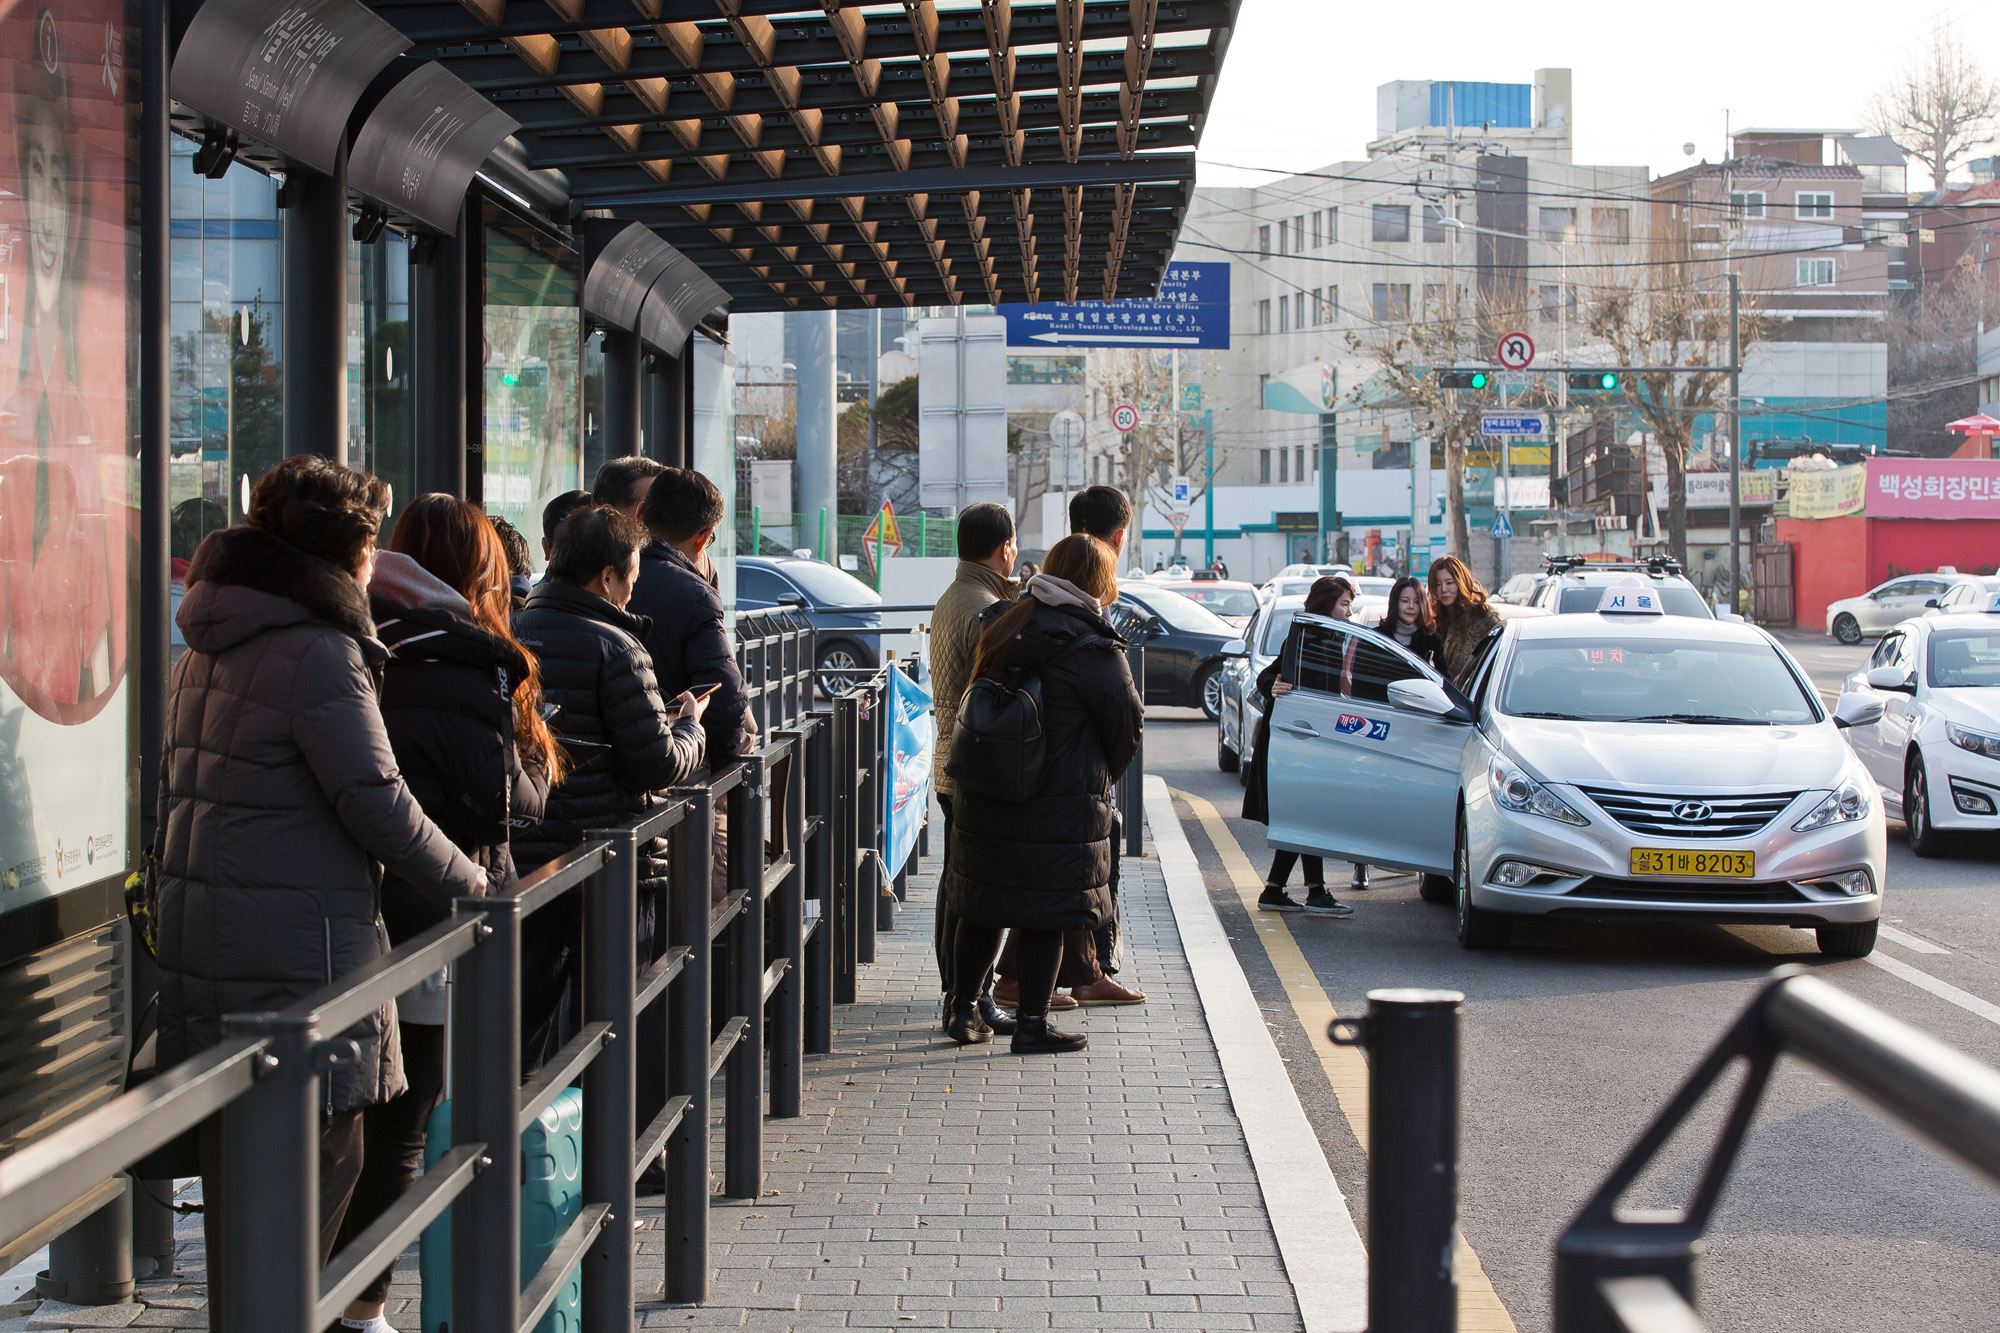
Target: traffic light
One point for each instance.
(1593, 381)
(1463, 379)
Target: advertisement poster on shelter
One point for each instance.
(912, 750)
(67, 473)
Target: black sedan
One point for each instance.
(839, 606)
(1184, 642)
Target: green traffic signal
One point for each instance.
(1463, 379)
(1593, 381)
(1478, 379)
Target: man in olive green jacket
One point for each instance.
(986, 553)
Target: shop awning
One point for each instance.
(808, 155)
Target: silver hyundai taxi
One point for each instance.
(1620, 763)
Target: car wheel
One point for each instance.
(1226, 759)
(1208, 691)
(1856, 940)
(1477, 927)
(840, 666)
(1847, 629)
(1925, 840)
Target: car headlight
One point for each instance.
(1977, 742)
(1522, 874)
(1516, 791)
(1844, 804)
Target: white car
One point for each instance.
(1935, 755)
(1853, 618)
(1977, 593)
(1599, 765)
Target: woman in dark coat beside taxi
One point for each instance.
(1044, 866)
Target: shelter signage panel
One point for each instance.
(423, 143)
(676, 302)
(286, 74)
(1191, 311)
(614, 290)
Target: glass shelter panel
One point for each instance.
(532, 436)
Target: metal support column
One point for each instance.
(818, 434)
(666, 431)
(1131, 796)
(743, 1147)
(687, 1054)
(820, 854)
(622, 387)
(270, 1183)
(869, 883)
(788, 938)
(610, 912)
(472, 244)
(438, 362)
(846, 845)
(315, 316)
(485, 1104)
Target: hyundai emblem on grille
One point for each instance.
(1692, 812)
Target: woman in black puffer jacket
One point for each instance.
(612, 723)
(462, 704)
(1042, 867)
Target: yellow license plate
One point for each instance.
(1727, 865)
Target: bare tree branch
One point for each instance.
(1939, 108)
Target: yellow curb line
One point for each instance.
(1479, 1307)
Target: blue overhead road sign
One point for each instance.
(1510, 423)
(1191, 311)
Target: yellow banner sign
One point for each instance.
(1832, 493)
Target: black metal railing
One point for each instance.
(1629, 1270)
(802, 818)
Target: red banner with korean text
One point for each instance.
(1933, 488)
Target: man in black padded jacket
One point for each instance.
(623, 742)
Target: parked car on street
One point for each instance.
(1574, 584)
(1634, 765)
(1232, 601)
(1240, 707)
(1520, 590)
(1935, 756)
(838, 605)
(1184, 643)
(1979, 592)
(1852, 619)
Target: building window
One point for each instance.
(1816, 273)
(1316, 241)
(1392, 222)
(1264, 467)
(1558, 224)
(1284, 476)
(1613, 226)
(1333, 305)
(1299, 462)
(1319, 303)
(1263, 317)
(1284, 237)
(1333, 226)
(1390, 301)
(1434, 229)
(1284, 315)
(1299, 311)
(1433, 298)
(1746, 204)
(1554, 302)
(1299, 234)
(1264, 240)
(1818, 207)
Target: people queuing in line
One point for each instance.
(1332, 596)
(984, 578)
(1042, 867)
(282, 800)
(1463, 615)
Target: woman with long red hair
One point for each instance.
(462, 703)
(1463, 616)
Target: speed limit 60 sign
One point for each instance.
(1124, 416)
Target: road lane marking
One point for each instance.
(1914, 943)
(1944, 990)
(1480, 1309)
(1317, 1240)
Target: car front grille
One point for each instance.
(1686, 891)
(1733, 816)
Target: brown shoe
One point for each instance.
(1008, 993)
(1060, 1001)
(1106, 991)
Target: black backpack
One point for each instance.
(999, 745)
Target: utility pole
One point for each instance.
(1735, 436)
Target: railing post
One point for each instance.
(743, 1144)
(687, 1054)
(610, 977)
(270, 1183)
(1131, 796)
(867, 819)
(820, 855)
(846, 845)
(1412, 1041)
(788, 940)
(485, 1102)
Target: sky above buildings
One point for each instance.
(1298, 85)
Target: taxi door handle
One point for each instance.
(1302, 729)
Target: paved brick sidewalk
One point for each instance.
(929, 1186)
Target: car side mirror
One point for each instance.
(1421, 695)
(792, 599)
(1893, 679)
(1154, 626)
(1931, 602)
(1857, 710)
(1235, 648)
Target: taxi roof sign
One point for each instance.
(1630, 598)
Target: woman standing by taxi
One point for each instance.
(1464, 617)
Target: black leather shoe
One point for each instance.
(966, 1027)
(944, 1016)
(1034, 1036)
(996, 1018)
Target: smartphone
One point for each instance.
(702, 692)
(550, 710)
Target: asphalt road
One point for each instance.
(1833, 1220)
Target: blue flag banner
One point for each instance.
(912, 733)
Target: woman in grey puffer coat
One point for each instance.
(280, 801)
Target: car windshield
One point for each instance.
(1678, 599)
(1182, 614)
(1607, 678)
(1276, 625)
(1223, 601)
(1372, 587)
(1294, 587)
(1965, 659)
(829, 586)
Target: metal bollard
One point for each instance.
(485, 1104)
(610, 910)
(270, 1182)
(1412, 1041)
(743, 1139)
(788, 936)
(867, 820)
(687, 1054)
(819, 885)
(846, 847)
